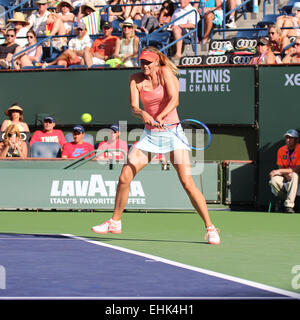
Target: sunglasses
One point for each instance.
(128, 27)
(271, 33)
(29, 37)
(11, 135)
(10, 36)
(261, 44)
(296, 44)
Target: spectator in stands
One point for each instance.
(48, 134)
(231, 4)
(183, 25)
(284, 180)
(64, 9)
(15, 114)
(149, 21)
(74, 54)
(166, 12)
(78, 147)
(12, 144)
(213, 14)
(21, 26)
(2, 31)
(38, 19)
(9, 48)
(264, 54)
(277, 41)
(290, 22)
(134, 12)
(127, 46)
(117, 10)
(113, 143)
(32, 55)
(294, 55)
(103, 48)
(155, 6)
(86, 9)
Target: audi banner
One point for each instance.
(202, 60)
(240, 59)
(240, 43)
(192, 61)
(212, 60)
(220, 44)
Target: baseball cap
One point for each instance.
(81, 25)
(292, 133)
(79, 128)
(263, 41)
(115, 127)
(106, 24)
(49, 118)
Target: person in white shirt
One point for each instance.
(21, 26)
(73, 55)
(38, 19)
(182, 26)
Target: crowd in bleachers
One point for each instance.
(109, 33)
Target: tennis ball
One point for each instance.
(86, 118)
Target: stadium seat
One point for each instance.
(45, 150)
(267, 20)
(87, 138)
(157, 39)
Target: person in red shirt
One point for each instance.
(48, 134)
(78, 147)
(113, 143)
(102, 49)
(284, 180)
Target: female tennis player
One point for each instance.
(158, 88)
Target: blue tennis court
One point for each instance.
(41, 265)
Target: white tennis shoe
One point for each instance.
(108, 226)
(212, 235)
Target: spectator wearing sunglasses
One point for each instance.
(9, 48)
(48, 133)
(277, 41)
(264, 55)
(12, 145)
(294, 55)
(74, 54)
(15, 114)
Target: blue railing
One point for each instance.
(9, 12)
(194, 32)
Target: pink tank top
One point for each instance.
(154, 102)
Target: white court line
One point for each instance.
(257, 285)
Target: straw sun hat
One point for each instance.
(19, 17)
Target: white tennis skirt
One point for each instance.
(162, 141)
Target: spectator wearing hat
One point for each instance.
(74, 54)
(15, 114)
(9, 48)
(112, 145)
(294, 55)
(38, 19)
(127, 46)
(293, 22)
(21, 25)
(78, 147)
(264, 54)
(85, 9)
(48, 134)
(284, 180)
(64, 9)
(103, 48)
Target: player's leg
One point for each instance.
(181, 162)
(137, 160)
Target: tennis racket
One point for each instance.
(194, 131)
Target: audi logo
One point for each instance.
(191, 61)
(246, 43)
(241, 59)
(219, 44)
(216, 60)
